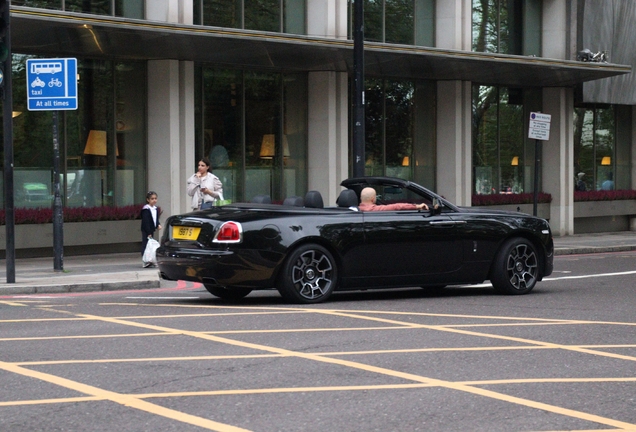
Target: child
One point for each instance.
(149, 221)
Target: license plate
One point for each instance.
(185, 233)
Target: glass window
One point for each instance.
(501, 158)
(594, 148)
(373, 20)
(102, 143)
(45, 4)
(222, 128)
(221, 13)
(399, 22)
(254, 130)
(130, 8)
(130, 133)
(98, 7)
(508, 27)
(294, 20)
(396, 144)
(263, 15)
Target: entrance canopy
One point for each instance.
(52, 33)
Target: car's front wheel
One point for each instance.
(516, 267)
(227, 293)
(309, 275)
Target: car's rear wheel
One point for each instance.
(227, 293)
(516, 267)
(309, 275)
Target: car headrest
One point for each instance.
(347, 198)
(295, 201)
(261, 199)
(313, 199)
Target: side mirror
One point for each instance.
(436, 207)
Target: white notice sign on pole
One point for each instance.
(539, 127)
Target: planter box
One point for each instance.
(604, 216)
(36, 236)
(543, 209)
(604, 208)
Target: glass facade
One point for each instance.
(284, 16)
(598, 151)
(253, 127)
(407, 22)
(507, 26)
(400, 130)
(503, 158)
(122, 8)
(102, 143)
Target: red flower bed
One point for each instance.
(502, 199)
(603, 195)
(74, 214)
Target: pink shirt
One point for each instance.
(386, 207)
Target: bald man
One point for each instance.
(367, 203)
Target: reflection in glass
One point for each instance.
(498, 141)
(594, 146)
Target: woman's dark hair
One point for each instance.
(206, 161)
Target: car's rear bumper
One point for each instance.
(249, 269)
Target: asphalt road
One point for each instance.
(178, 359)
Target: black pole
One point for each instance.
(58, 215)
(358, 80)
(7, 114)
(537, 164)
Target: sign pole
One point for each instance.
(537, 165)
(52, 86)
(58, 215)
(539, 129)
(7, 114)
(358, 134)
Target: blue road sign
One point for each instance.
(52, 84)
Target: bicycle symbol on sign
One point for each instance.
(55, 82)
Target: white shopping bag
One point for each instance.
(150, 253)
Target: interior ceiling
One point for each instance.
(56, 34)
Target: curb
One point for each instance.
(592, 249)
(11, 289)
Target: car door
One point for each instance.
(408, 245)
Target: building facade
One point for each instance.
(262, 88)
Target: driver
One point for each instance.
(367, 203)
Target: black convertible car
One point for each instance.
(307, 251)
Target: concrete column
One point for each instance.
(554, 29)
(327, 18)
(328, 137)
(328, 161)
(454, 138)
(558, 159)
(170, 116)
(453, 21)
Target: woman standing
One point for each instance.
(204, 187)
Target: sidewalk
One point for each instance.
(81, 273)
(124, 271)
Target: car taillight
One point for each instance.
(229, 232)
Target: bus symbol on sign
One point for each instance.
(50, 68)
